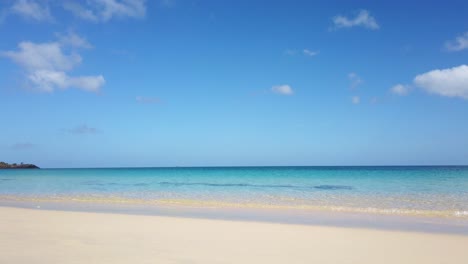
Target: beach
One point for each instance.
(41, 236)
(235, 215)
(169, 131)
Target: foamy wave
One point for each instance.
(226, 204)
(461, 213)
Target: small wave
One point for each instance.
(141, 184)
(333, 187)
(6, 179)
(97, 183)
(217, 184)
(321, 187)
(177, 184)
(226, 184)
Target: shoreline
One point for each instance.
(42, 236)
(121, 200)
(295, 216)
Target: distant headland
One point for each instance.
(4, 165)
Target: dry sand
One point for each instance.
(39, 236)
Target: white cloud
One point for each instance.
(452, 82)
(460, 43)
(282, 89)
(400, 89)
(46, 80)
(362, 19)
(80, 11)
(73, 40)
(105, 10)
(87, 83)
(31, 9)
(310, 52)
(355, 99)
(43, 56)
(354, 80)
(46, 65)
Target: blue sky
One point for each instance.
(102, 83)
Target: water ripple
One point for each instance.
(333, 187)
(321, 187)
(209, 184)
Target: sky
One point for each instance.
(124, 83)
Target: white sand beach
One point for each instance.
(40, 236)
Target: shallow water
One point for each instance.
(424, 191)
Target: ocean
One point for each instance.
(417, 191)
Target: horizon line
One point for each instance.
(258, 166)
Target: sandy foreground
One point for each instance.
(39, 236)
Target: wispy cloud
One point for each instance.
(168, 3)
(310, 53)
(22, 146)
(80, 11)
(362, 19)
(354, 80)
(400, 89)
(82, 129)
(305, 52)
(460, 43)
(31, 9)
(47, 65)
(452, 82)
(290, 52)
(284, 89)
(73, 40)
(147, 100)
(355, 99)
(105, 10)
(3, 15)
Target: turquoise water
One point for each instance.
(432, 191)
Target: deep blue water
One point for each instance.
(438, 191)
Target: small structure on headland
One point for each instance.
(4, 165)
